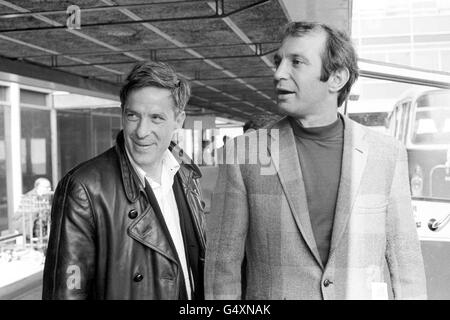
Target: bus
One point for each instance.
(420, 119)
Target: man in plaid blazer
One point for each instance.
(331, 206)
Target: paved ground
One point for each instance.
(32, 294)
(29, 288)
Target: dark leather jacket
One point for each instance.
(105, 241)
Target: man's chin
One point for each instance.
(144, 160)
(142, 153)
(285, 108)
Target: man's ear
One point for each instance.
(338, 79)
(180, 119)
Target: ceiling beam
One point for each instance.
(166, 60)
(34, 71)
(13, 15)
(258, 47)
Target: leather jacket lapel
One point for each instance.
(151, 230)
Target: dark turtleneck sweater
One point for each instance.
(320, 153)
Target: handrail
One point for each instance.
(10, 237)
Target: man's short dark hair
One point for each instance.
(338, 52)
(156, 74)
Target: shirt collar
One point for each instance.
(170, 165)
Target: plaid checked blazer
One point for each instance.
(264, 216)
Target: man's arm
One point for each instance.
(69, 266)
(403, 253)
(227, 226)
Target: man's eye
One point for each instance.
(158, 118)
(298, 62)
(132, 117)
(276, 62)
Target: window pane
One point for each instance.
(410, 33)
(103, 137)
(85, 133)
(33, 97)
(36, 146)
(74, 139)
(3, 94)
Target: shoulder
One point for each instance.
(382, 143)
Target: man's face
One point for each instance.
(149, 121)
(298, 88)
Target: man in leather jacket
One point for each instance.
(129, 223)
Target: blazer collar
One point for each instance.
(354, 159)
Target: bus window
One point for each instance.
(405, 107)
(398, 115)
(392, 122)
(432, 126)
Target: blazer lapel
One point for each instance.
(289, 172)
(354, 160)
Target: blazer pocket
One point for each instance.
(374, 210)
(370, 204)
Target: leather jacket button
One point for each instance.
(138, 277)
(132, 214)
(327, 282)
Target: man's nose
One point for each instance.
(144, 128)
(280, 72)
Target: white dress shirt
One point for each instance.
(166, 200)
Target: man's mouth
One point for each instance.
(283, 92)
(143, 145)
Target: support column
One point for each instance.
(54, 143)
(13, 152)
